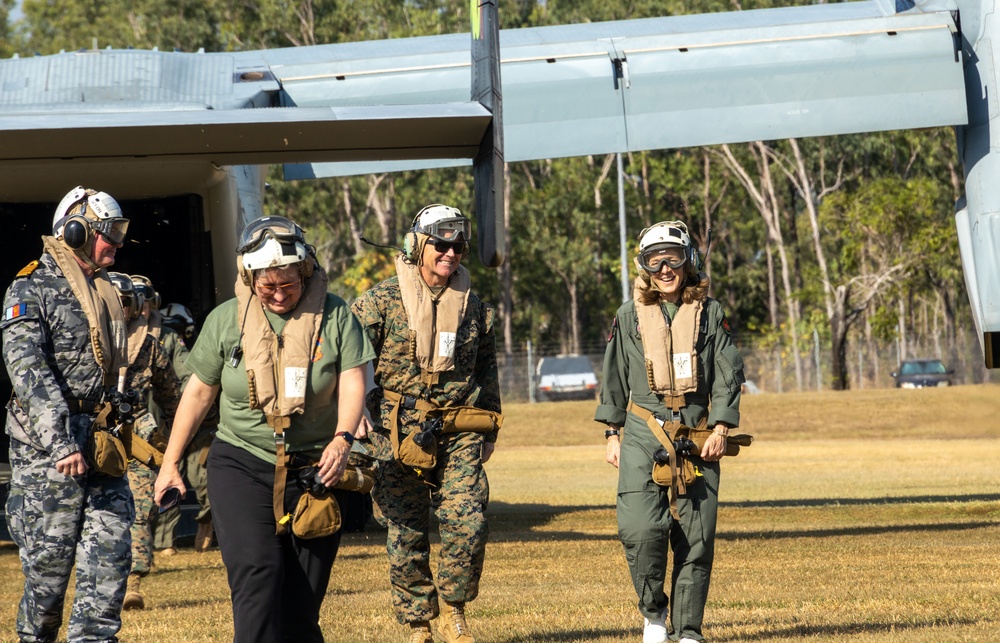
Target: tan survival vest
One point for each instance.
(278, 366)
(105, 318)
(669, 348)
(433, 319)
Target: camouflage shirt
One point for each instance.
(475, 380)
(47, 350)
(152, 376)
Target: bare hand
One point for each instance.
(72, 465)
(333, 462)
(714, 449)
(613, 451)
(488, 449)
(364, 426)
(168, 477)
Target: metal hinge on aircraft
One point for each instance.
(620, 67)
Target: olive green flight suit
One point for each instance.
(646, 527)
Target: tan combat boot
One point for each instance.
(203, 540)
(133, 595)
(420, 632)
(452, 626)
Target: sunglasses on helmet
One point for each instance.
(653, 260)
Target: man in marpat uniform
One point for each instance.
(437, 403)
(64, 341)
(149, 375)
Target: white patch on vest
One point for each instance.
(446, 344)
(682, 365)
(295, 381)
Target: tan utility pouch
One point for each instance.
(470, 419)
(356, 479)
(413, 455)
(146, 453)
(106, 453)
(316, 516)
(685, 469)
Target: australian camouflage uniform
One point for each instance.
(151, 375)
(455, 486)
(53, 518)
(650, 521)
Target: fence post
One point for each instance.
(531, 374)
(819, 373)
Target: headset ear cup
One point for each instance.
(244, 274)
(76, 233)
(410, 246)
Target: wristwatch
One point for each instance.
(347, 436)
(608, 433)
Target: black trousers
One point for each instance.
(277, 583)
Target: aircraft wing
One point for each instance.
(661, 82)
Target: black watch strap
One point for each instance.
(608, 433)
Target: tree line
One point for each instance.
(849, 237)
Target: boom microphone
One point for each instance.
(377, 245)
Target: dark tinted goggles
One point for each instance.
(145, 291)
(111, 229)
(278, 228)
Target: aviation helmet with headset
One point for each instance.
(272, 242)
(131, 302)
(439, 223)
(178, 318)
(667, 234)
(144, 288)
(83, 211)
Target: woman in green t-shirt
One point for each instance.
(288, 362)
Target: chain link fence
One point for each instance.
(771, 367)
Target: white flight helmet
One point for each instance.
(179, 318)
(83, 208)
(665, 234)
(271, 242)
(442, 222)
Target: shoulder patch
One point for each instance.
(27, 270)
(725, 325)
(15, 311)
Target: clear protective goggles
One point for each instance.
(450, 229)
(113, 230)
(144, 290)
(278, 228)
(655, 257)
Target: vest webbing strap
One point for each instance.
(425, 409)
(279, 423)
(666, 438)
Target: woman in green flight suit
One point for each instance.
(671, 370)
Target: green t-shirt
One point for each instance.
(342, 345)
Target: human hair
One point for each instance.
(695, 288)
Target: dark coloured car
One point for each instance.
(566, 377)
(922, 373)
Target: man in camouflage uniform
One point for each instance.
(458, 370)
(175, 327)
(63, 354)
(150, 375)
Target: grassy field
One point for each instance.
(868, 515)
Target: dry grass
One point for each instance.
(869, 515)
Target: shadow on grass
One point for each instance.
(574, 635)
(885, 500)
(845, 629)
(855, 531)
